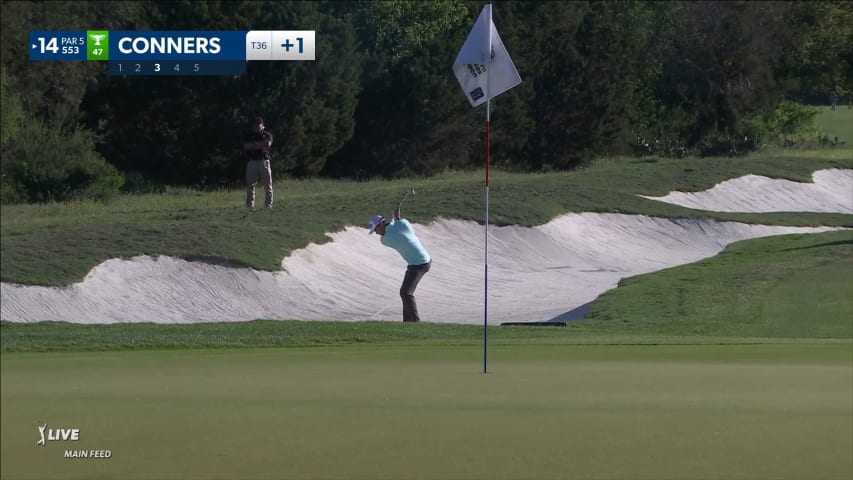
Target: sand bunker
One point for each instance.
(830, 192)
(535, 274)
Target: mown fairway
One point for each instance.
(594, 411)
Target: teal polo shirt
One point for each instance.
(400, 236)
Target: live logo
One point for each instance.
(63, 434)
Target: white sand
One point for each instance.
(830, 192)
(534, 274)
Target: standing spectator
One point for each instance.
(257, 146)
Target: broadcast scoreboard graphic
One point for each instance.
(169, 53)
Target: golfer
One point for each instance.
(257, 146)
(399, 235)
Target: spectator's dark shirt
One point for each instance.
(258, 153)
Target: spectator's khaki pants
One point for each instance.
(258, 170)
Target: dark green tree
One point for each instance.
(586, 73)
(188, 130)
(822, 60)
(721, 71)
(53, 91)
(411, 116)
(43, 160)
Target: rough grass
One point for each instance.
(836, 124)
(785, 286)
(206, 226)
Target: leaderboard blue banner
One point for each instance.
(171, 45)
(177, 45)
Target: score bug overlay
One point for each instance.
(280, 45)
(173, 52)
(64, 45)
(98, 45)
(172, 68)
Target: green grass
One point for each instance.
(371, 412)
(785, 286)
(67, 337)
(836, 124)
(197, 225)
(738, 366)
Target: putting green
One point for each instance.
(590, 411)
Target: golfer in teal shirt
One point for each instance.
(399, 235)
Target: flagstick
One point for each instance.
(486, 250)
(486, 256)
(478, 51)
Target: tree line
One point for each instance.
(380, 100)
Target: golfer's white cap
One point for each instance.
(376, 220)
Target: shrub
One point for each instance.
(789, 125)
(52, 163)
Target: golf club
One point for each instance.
(412, 191)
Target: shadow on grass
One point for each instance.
(575, 314)
(820, 245)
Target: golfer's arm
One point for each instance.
(396, 214)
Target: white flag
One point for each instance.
(484, 52)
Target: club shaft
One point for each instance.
(400, 205)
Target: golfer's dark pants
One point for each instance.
(414, 274)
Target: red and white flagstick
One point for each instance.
(488, 63)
